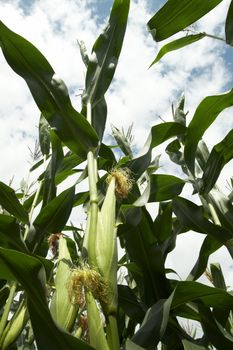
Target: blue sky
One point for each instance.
(136, 95)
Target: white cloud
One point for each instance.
(137, 94)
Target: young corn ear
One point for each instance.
(95, 324)
(14, 327)
(106, 246)
(62, 309)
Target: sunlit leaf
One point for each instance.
(220, 155)
(229, 25)
(177, 44)
(204, 116)
(49, 92)
(177, 15)
(158, 134)
(103, 61)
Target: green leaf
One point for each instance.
(4, 293)
(154, 324)
(193, 291)
(10, 233)
(49, 187)
(177, 15)
(208, 247)
(204, 116)
(49, 92)
(143, 250)
(25, 269)
(105, 53)
(158, 134)
(129, 345)
(102, 64)
(10, 202)
(229, 25)
(220, 155)
(218, 336)
(53, 217)
(164, 187)
(44, 137)
(177, 44)
(66, 167)
(129, 303)
(191, 216)
(217, 276)
(188, 345)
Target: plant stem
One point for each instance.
(92, 178)
(112, 333)
(7, 308)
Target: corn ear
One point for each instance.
(106, 246)
(14, 327)
(62, 310)
(95, 324)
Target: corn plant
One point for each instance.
(60, 285)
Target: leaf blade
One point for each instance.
(177, 15)
(177, 44)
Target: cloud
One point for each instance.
(136, 95)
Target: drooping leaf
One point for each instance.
(217, 276)
(216, 334)
(177, 44)
(44, 137)
(204, 116)
(25, 269)
(164, 187)
(10, 202)
(129, 303)
(208, 247)
(67, 167)
(187, 291)
(229, 26)
(220, 155)
(177, 15)
(191, 216)
(143, 250)
(154, 324)
(158, 134)
(49, 92)
(53, 217)
(10, 234)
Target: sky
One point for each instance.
(137, 94)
